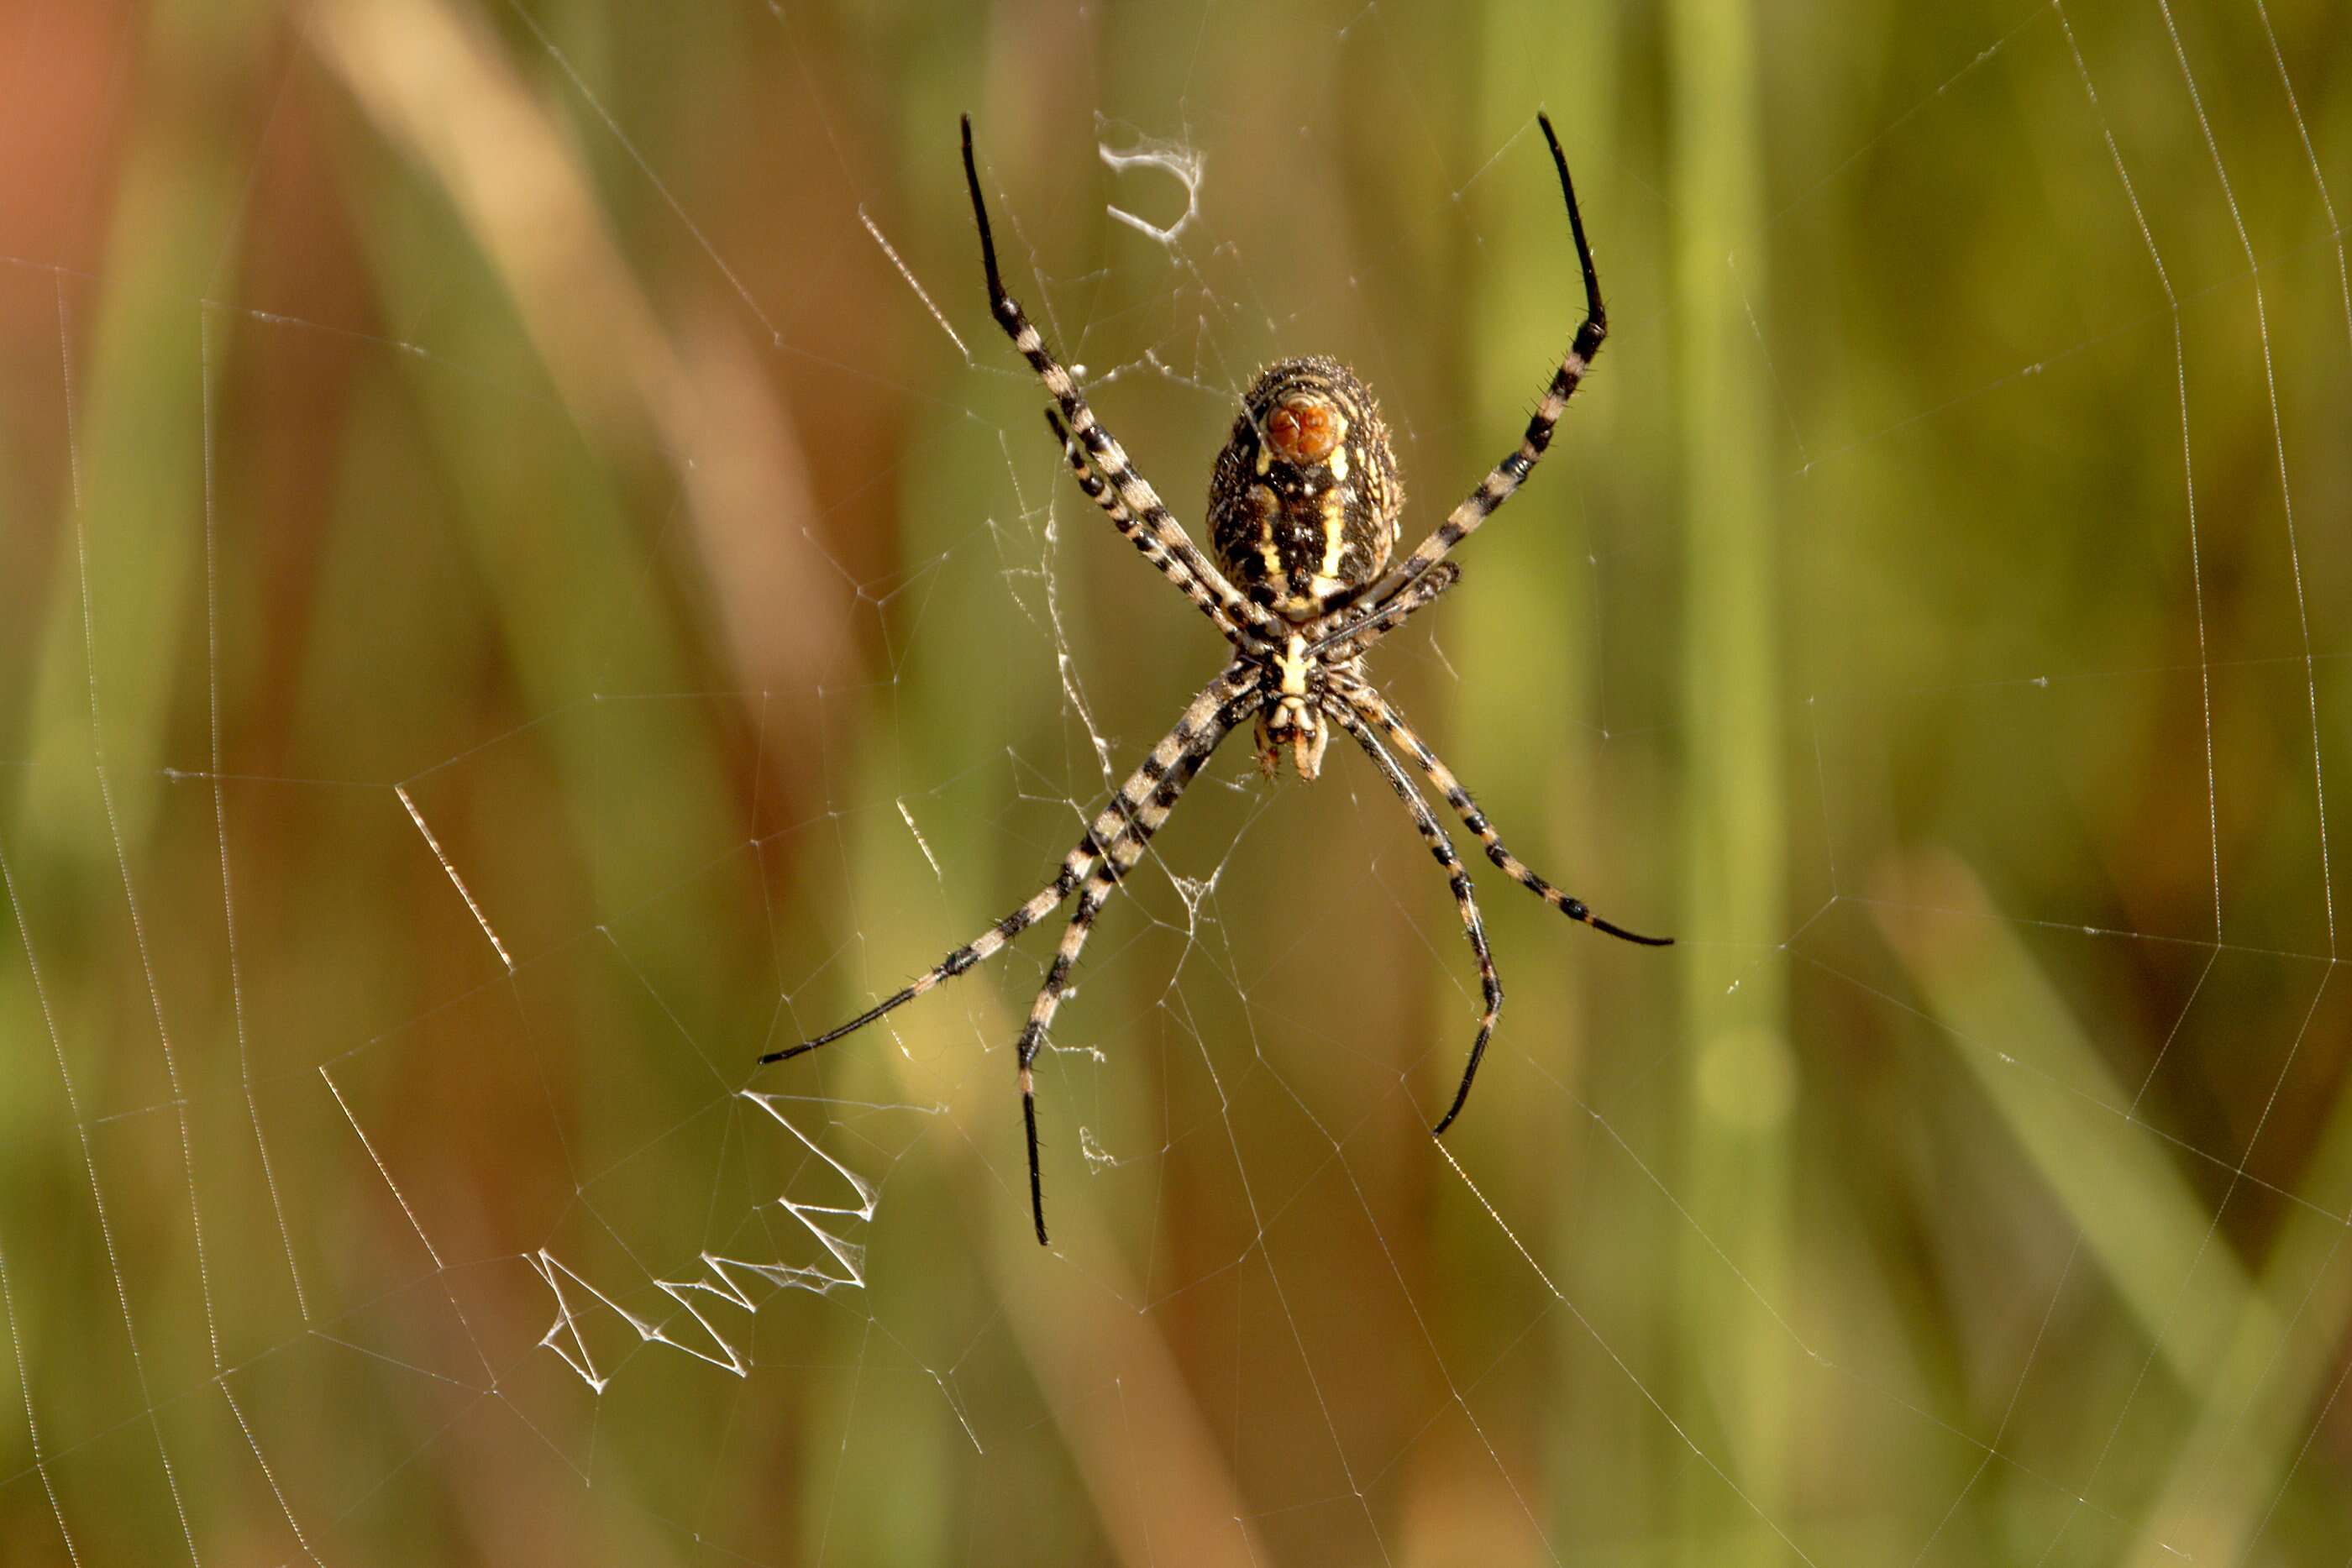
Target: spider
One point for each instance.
(1303, 510)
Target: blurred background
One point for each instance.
(529, 578)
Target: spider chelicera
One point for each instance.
(1303, 512)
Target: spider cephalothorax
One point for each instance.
(1304, 502)
(1303, 518)
(1290, 724)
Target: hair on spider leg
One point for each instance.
(1305, 504)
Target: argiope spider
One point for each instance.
(1303, 512)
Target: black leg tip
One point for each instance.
(1029, 1127)
(1576, 909)
(980, 217)
(1592, 306)
(788, 1052)
(1622, 935)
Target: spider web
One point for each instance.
(531, 580)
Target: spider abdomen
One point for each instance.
(1304, 502)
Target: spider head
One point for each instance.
(1303, 507)
(1291, 724)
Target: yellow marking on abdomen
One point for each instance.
(1269, 510)
(1325, 581)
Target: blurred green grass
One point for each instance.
(509, 416)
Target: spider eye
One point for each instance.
(1304, 430)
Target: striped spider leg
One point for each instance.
(1349, 643)
(1249, 623)
(1150, 813)
(1376, 709)
(1109, 849)
(1505, 478)
(1141, 538)
(1465, 899)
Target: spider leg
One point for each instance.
(1149, 812)
(1354, 639)
(1137, 495)
(1376, 708)
(1509, 475)
(1143, 539)
(1442, 848)
(1200, 727)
